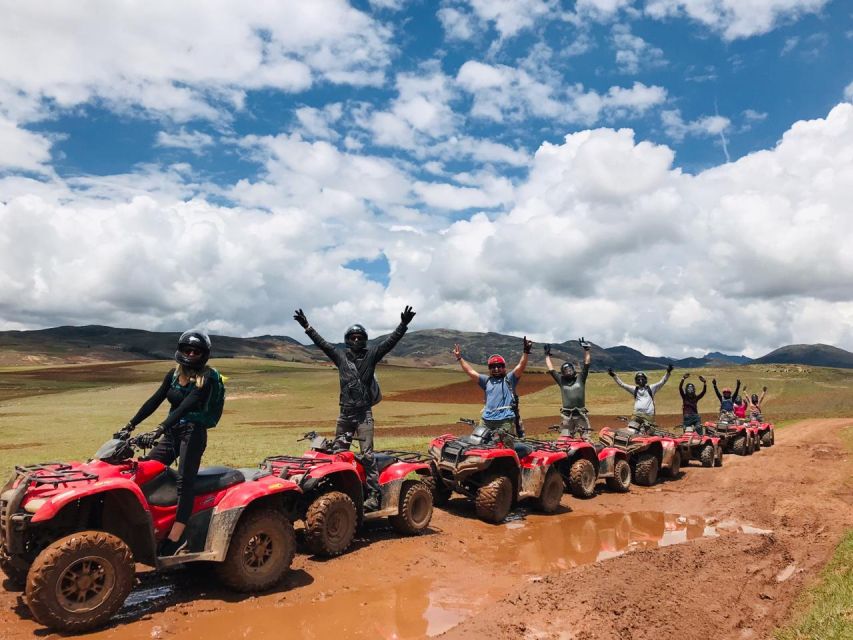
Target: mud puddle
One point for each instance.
(433, 597)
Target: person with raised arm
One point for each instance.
(498, 387)
(644, 395)
(690, 403)
(574, 414)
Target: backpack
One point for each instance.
(209, 415)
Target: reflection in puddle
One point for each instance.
(429, 604)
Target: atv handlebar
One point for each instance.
(468, 421)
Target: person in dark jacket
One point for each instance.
(690, 403)
(184, 431)
(356, 367)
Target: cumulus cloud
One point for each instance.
(511, 16)
(605, 237)
(734, 19)
(22, 149)
(848, 92)
(704, 126)
(632, 52)
(183, 60)
(502, 92)
(194, 141)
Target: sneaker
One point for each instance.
(172, 548)
(372, 503)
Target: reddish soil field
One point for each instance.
(717, 553)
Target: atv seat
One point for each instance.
(162, 491)
(383, 461)
(522, 450)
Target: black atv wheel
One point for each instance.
(674, 468)
(582, 478)
(494, 499)
(415, 508)
(718, 461)
(16, 575)
(440, 492)
(260, 553)
(552, 491)
(707, 455)
(739, 446)
(621, 480)
(330, 524)
(80, 581)
(646, 469)
(767, 439)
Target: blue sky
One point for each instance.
(631, 169)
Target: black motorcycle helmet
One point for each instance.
(356, 337)
(755, 398)
(690, 389)
(641, 379)
(567, 371)
(193, 349)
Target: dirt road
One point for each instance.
(718, 553)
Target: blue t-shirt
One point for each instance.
(498, 392)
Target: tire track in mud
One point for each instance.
(526, 578)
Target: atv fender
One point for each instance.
(405, 471)
(668, 453)
(342, 477)
(607, 458)
(227, 513)
(54, 504)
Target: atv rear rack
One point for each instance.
(406, 456)
(53, 473)
(293, 462)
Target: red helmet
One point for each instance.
(496, 359)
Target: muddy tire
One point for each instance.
(552, 491)
(415, 508)
(718, 461)
(707, 455)
(739, 446)
(17, 576)
(646, 469)
(767, 439)
(581, 478)
(80, 581)
(260, 553)
(440, 493)
(674, 469)
(621, 480)
(494, 499)
(330, 524)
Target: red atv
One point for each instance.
(693, 446)
(588, 462)
(495, 471)
(648, 454)
(734, 436)
(332, 480)
(73, 532)
(766, 431)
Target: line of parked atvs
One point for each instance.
(72, 533)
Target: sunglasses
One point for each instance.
(497, 366)
(190, 351)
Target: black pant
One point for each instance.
(185, 442)
(361, 424)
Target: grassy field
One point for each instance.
(65, 412)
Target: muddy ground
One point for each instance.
(719, 553)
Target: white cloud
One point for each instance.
(457, 24)
(194, 141)
(632, 52)
(22, 149)
(501, 92)
(183, 60)
(512, 16)
(735, 18)
(705, 126)
(848, 92)
(318, 123)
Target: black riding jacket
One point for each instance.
(356, 369)
(183, 400)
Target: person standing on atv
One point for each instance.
(573, 391)
(188, 388)
(498, 388)
(690, 403)
(740, 407)
(644, 395)
(359, 390)
(754, 403)
(727, 400)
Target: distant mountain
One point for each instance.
(816, 355)
(427, 347)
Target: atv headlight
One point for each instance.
(34, 505)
